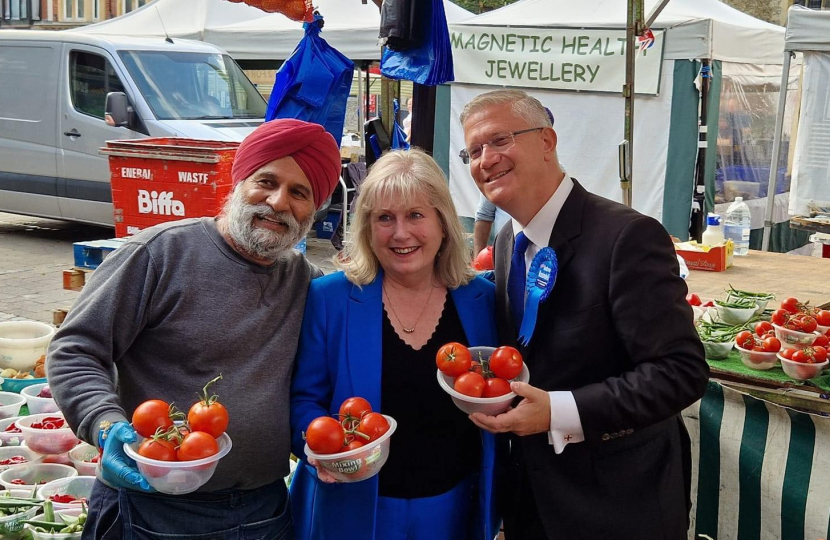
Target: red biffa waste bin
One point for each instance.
(166, 179)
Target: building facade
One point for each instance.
(62, 14)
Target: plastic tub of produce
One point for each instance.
(11, 456)
(84, 458)
(33, 475)
(10, 404)
(39, 399)
(47, 433)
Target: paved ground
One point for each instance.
(34, 252)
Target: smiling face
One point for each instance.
(512, 178)
(406, 238)
(271, 210)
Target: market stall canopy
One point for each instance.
(697, 29)
(807, 30)
(248, 33)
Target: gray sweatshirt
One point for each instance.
(171, 309)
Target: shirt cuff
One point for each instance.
(565, 425)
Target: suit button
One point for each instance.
(623, 433)
(629, 431)
(605, 436)
(614, 435)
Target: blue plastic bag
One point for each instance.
(313, 84)
(398, 134)
(430, 63)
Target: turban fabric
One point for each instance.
(311, 146)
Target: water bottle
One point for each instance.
(738, 222)
(713, 235)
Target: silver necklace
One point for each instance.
(403, 326)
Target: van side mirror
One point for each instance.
(117, 110)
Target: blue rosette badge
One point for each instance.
(540, 280)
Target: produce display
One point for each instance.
(51, 522)
(487, 378)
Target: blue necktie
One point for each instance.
(516, 279)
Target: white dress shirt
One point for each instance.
(565, 425)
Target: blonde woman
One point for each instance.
(373, 331)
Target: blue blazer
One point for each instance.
(339, 357)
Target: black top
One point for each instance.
(435, 445)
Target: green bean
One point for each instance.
(748, 294)
(740, 303)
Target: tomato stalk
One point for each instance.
(209, 399)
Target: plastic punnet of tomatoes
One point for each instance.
(488, 405)
(758, 359)
(178, 477)
(801, 371)
(358, 464)
(793, 339)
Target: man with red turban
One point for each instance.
(179, 304)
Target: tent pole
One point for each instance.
(776, 148)
(360, 113)
(698, 215)
(633, 28)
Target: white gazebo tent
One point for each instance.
(590, 124)
(808, 32)
(248, 33)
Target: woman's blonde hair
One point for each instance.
(405, 175)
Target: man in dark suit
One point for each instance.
(598, 448)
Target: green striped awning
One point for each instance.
(760, 471)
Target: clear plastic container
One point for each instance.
(731, 315)
(178, 477)
(11, 527)
(52, 536)
(737, 225)
(10, 404)
(46, 441)
(801, 371)
(38, 405)
(81, 456)
(34, 475)
(713, 235)
(717, 351)
(759, 360)
(489, 406)
(79, 487)
(793, 339)
(358, 464)
(9, 452)
(8, 438)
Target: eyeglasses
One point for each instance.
(499, 143)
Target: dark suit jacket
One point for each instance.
(617, 332)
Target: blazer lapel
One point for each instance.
(504, 253)
(364, 340)
(568, 224)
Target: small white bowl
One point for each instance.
(801, 371)
(489, 406)
(34, 474)
(8, 438)
(38, 405)
(178, 477)
(8, 452)
(77, 486)
(358, 464)
(735, 315)
(760, 302)
(46, 441)
(793, 339)
(759, 360)
(716, 350)
(80, 456)
(10, 404)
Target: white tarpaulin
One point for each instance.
(588, 137)
(248, 33)
(810, 188)
(552, 58)
(807, 30)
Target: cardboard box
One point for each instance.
(711, 259)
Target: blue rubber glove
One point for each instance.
(117, 468)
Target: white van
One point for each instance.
(53, 94)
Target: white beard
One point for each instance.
(258, 242)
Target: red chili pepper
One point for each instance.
(14, 460)
(65, 498)
(50, 422)
(18, 482)
(13, 428)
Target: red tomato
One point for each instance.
(823, 317)
(208, 414)
(808, 324)
(708, 303)
(476, 367)
(772, 344)
(354, 408)
(470, 384)
(374, 425)
(787, 353)
(355, 443)
(780, 317)
(197, 445)
(763, 328)
(819, 354)
(821, 341)
(453, 359)
(791, 305)
(325, 435)
(693, 299)
(802, 357)
(506, 362)
(151, 415)
(495, 387)
(159, 449)
(745, 340)
(484, 259)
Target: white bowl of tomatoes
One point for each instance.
(803, 364)
(47, 433)
(489, 371)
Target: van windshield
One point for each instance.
(193, 86)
